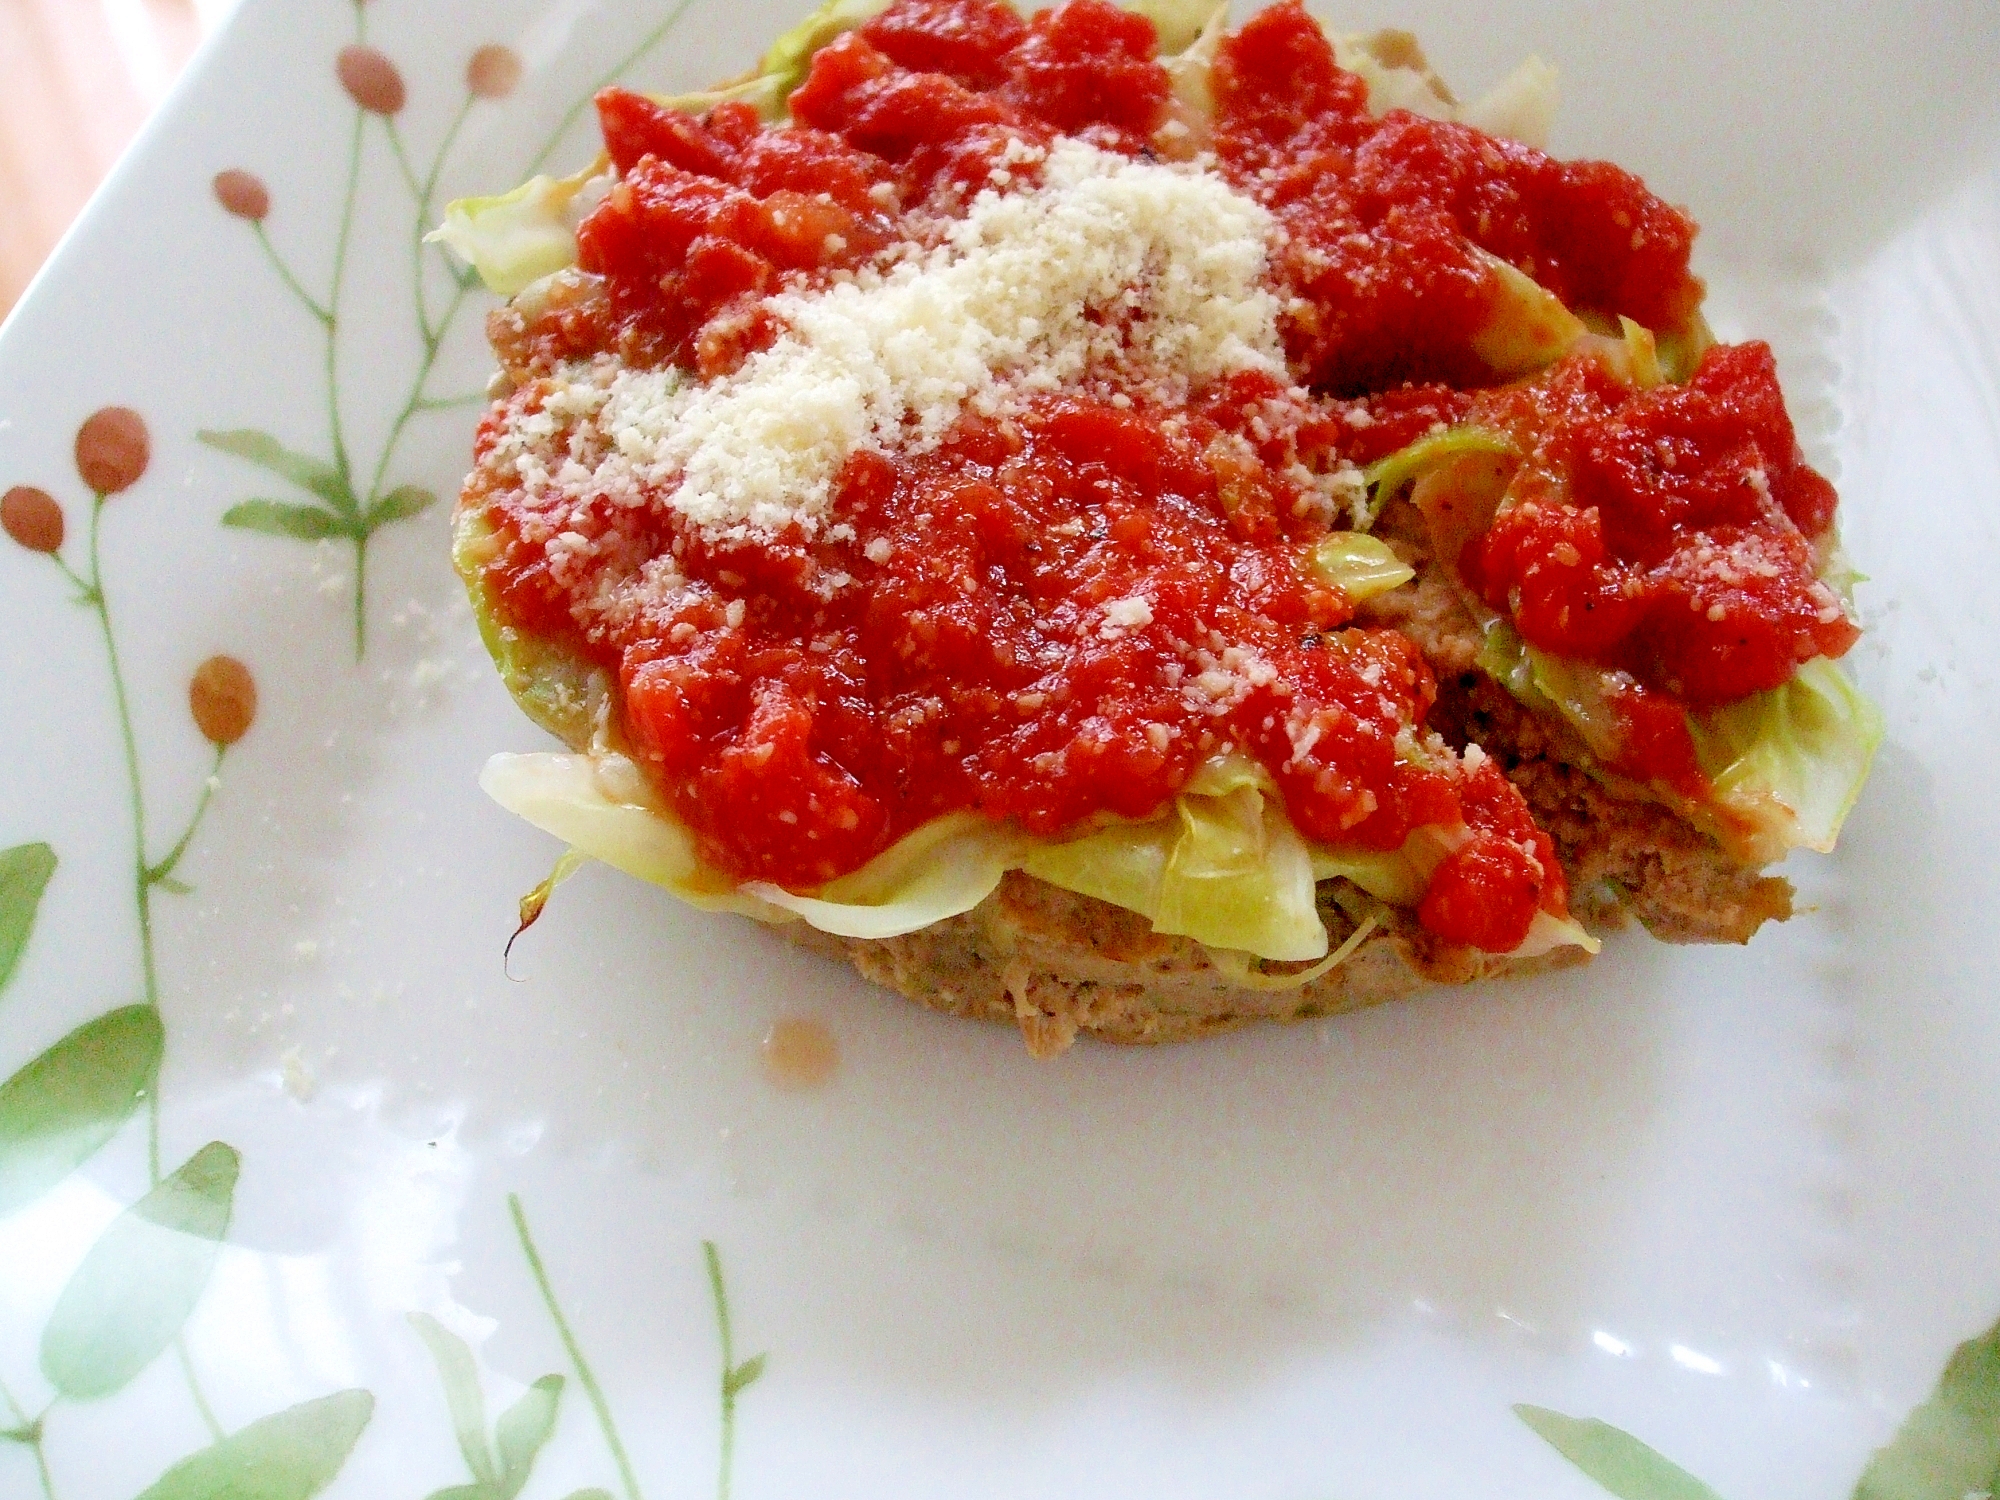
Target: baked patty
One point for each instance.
(1132, 534)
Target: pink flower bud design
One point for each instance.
(32, 518)
(493, 72)
(113, 449)
(222, 696)
(371, 80)
(242, 194)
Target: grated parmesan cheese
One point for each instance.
(1148, 270)
(1121, 615)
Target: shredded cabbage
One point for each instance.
(599, 806)
(1387, 476)
(1359, 565)
(946, 867)
(1788, 764)
(1388, 875)
(1241, 970)
(1784, 766)
(762, 91)
(1178, 22)
(517, 238)
(1226, 868)
(1520, 107)
(1528, 329)
(1547, 933)
(1190, 69)
(791, 54)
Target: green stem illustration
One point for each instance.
(292, 282)
(584, 1377)
(402, 156)
(142, 882)
(344, 509)
(428, 196)
(735, 1377)
(342, 239)
(28, 1433)
(208, 1420)
(146, 873)
(721, 1295)
(451, 403)
(162, 871)
(611, 75)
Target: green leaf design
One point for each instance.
(1617, 1460)
(745, 1374)
(141, 1280)
(461, 1392)
(24, 875)
(399, 505)
(314, 475)
(522, 1430)
(65, 1104)
(308, 523)
(1949, 1447)
(589, 1494)
(464, 1492)
(291, 1456)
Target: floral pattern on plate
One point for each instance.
(121, 1327)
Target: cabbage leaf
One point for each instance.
(1784, 766)
(1397, 75)
(1548, 933)
(1388, 475)
(790, 57)
(1520, 107)
(1580, 691)
(1190, 72)
(1584, 694)
(1390, 875)
(1527, 328)
(1226, 868)
(1504, 657)
(761, 91)
(1788, 764)
(515, 239)
(1359, 565)
(1178, 23)
(562, 690)
(598, 805)
(946, 867)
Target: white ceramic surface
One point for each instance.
(1739, 1203)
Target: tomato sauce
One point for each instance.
(1384, 218)
(1671, 534)
(1056, 616)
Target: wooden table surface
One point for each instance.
(77, 78)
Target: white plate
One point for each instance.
(1738, 1203)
